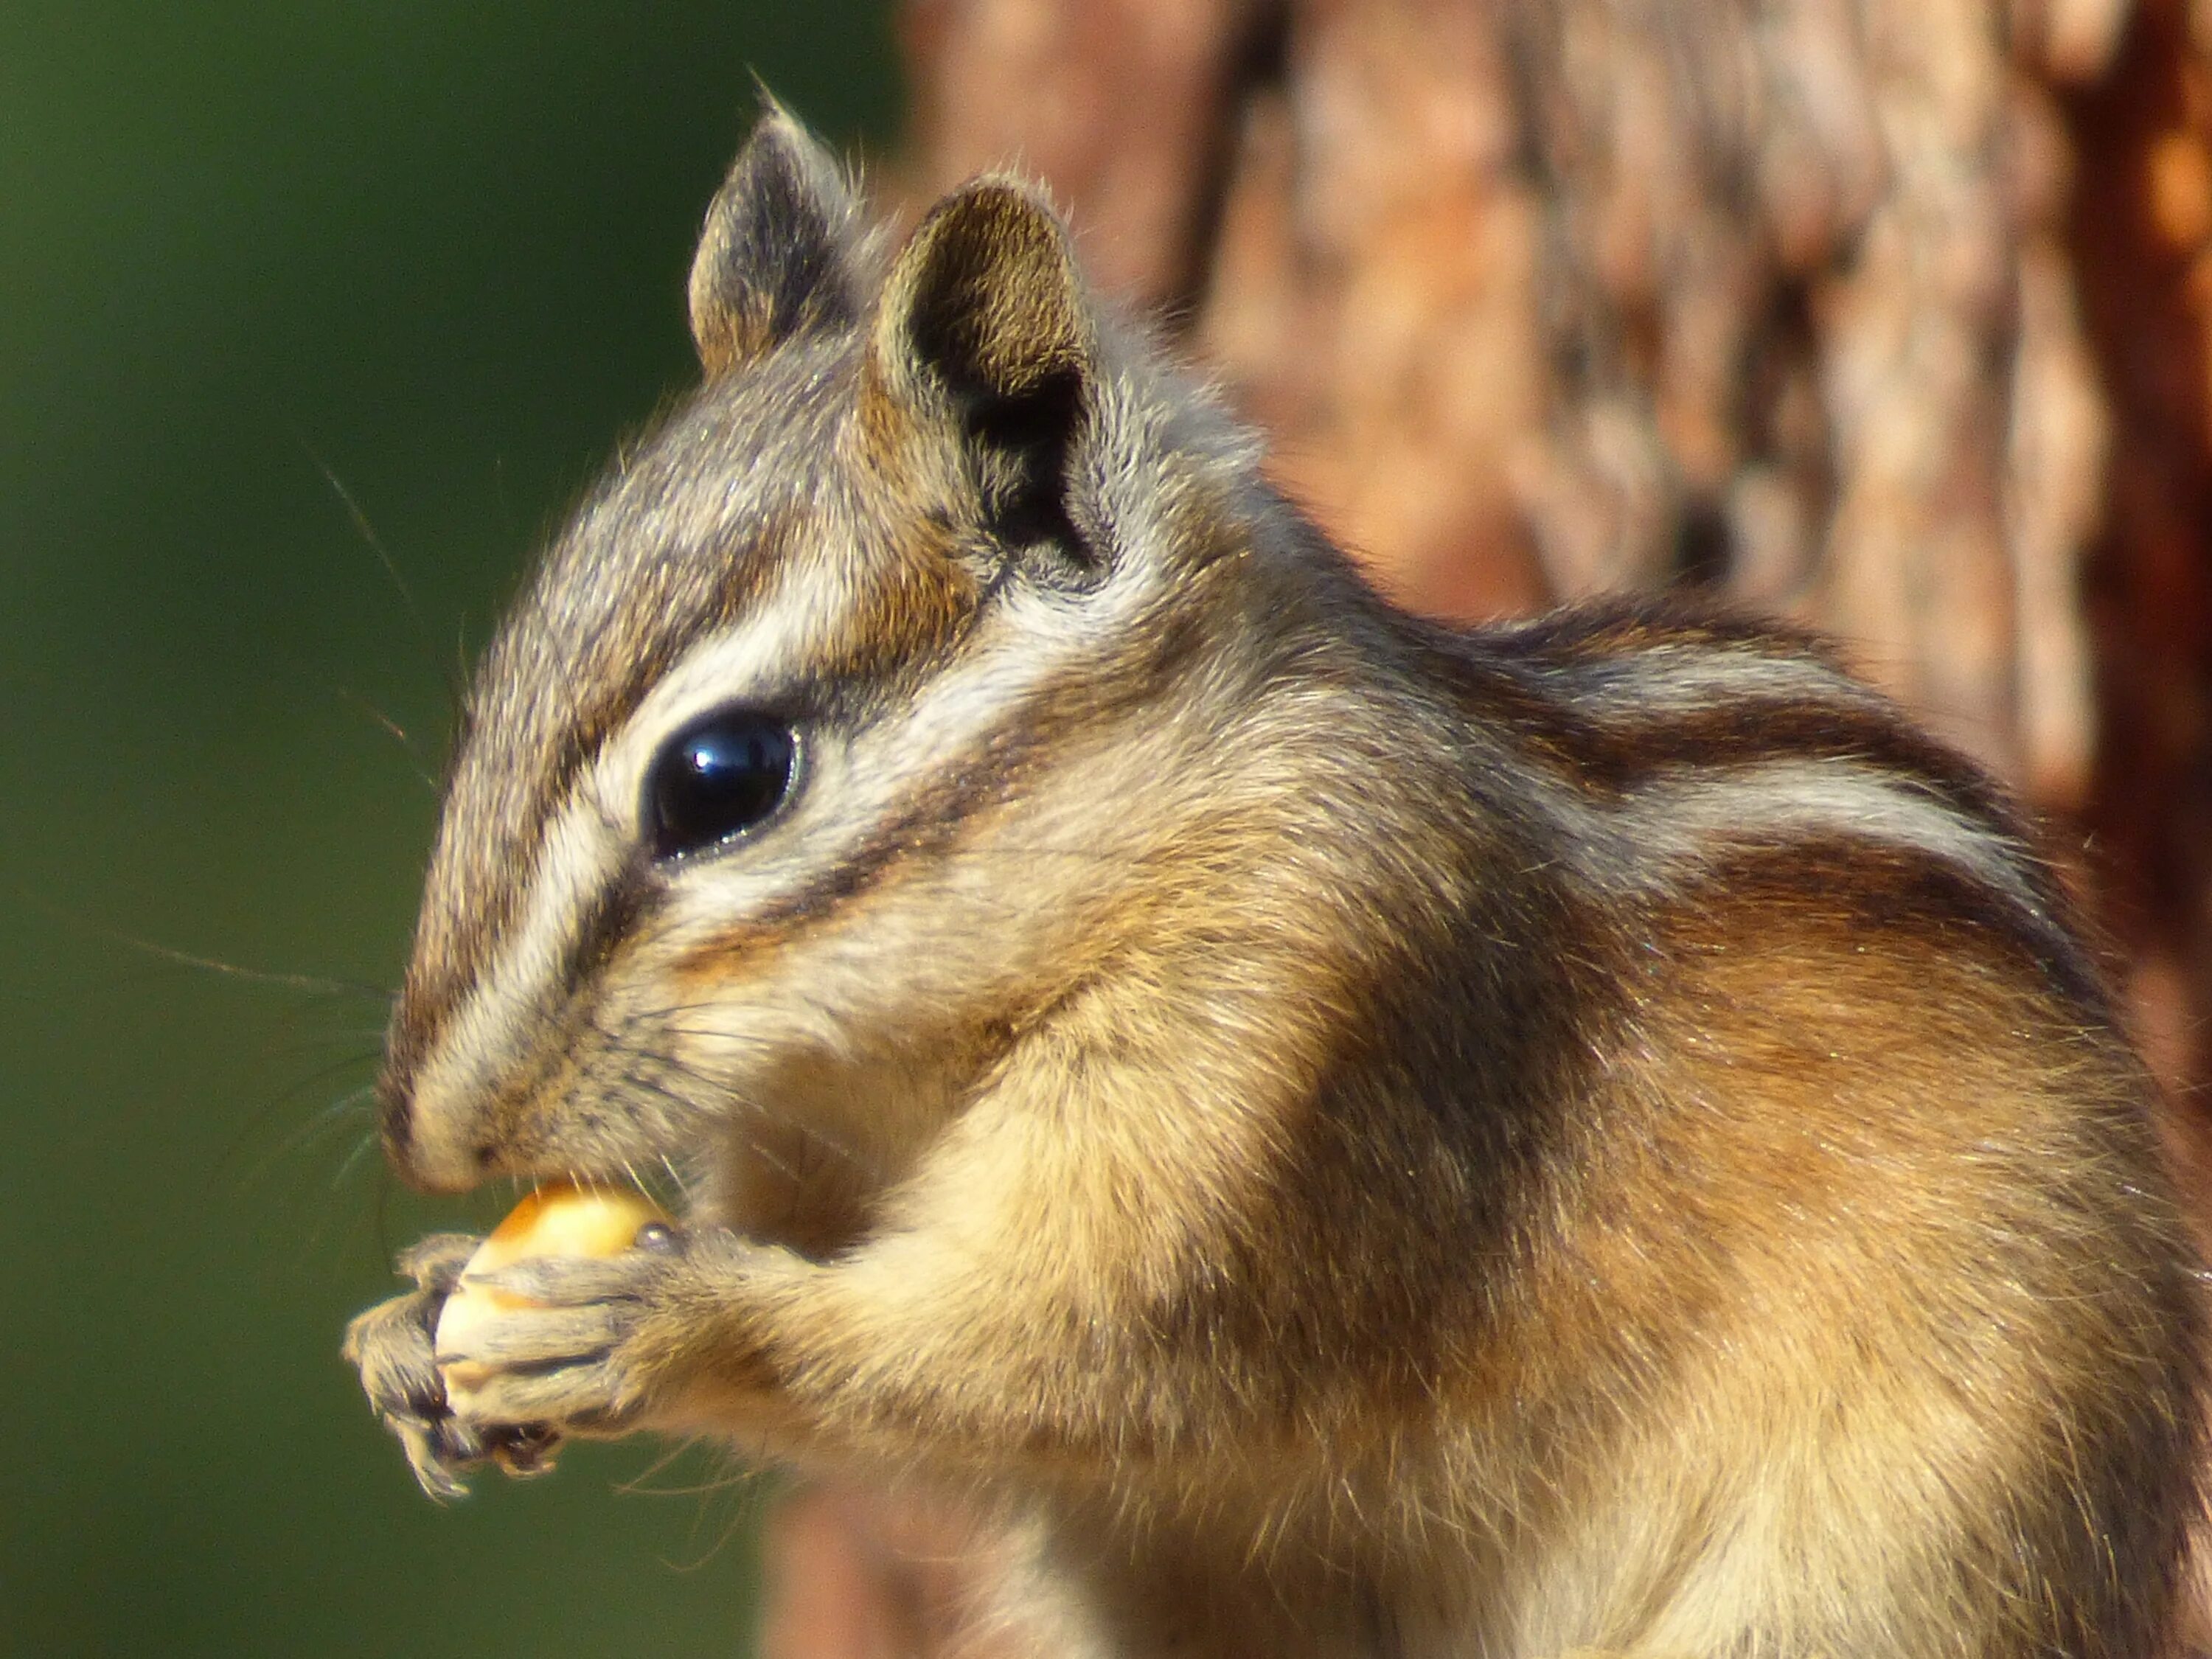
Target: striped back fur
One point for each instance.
(1595, 1135)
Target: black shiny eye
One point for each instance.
(716, 778)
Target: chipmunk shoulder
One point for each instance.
(1347, 1136)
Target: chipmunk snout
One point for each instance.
(431, 1163)
(395, 1121)
(395, 1085)
(391, 1107)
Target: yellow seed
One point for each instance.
(560, 1219)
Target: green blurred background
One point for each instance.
(439, 251)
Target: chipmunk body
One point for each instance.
(1347, 1136)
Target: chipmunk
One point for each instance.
(1345, 1136)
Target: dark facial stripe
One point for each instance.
(962, 800)
(494, 832)
(956, 804)
(920, 597)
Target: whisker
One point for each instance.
(293, 1090)
(735, 1480)
(352, 1162)
(634, 1079)
(773, 1159)
(368, 534)
(398, 730)
(312, 984)
(329, 1118)
(321, 1073)
(722, 1098)
(631, 1056)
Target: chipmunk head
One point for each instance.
(785, 788)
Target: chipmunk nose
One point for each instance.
(395, 1124)
(395, 1083)
(410, 1109)
(392, 1123)
(429, 1162)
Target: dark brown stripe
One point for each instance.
(1625, 626)
(961, 802)
(958, 805)
(493, 836)
(1886, 892)
(1614, 756)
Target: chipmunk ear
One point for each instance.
(775, 259)
(985, 318)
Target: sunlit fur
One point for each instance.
(1345, 1138)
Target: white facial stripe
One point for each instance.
(859, 783)
(591, 830)
(751, 661)
(850, 789)
(578, 857)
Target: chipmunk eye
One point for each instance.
(717, 778)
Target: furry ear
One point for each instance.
(985, 317)
(775, 259)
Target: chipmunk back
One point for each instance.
(1344, 1136)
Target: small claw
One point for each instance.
(391, 1346)
(439, 1448)
(433, 1452)
(525, 1450)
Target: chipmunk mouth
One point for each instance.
(793, 1156)
(528, 1137)
(677, 1180)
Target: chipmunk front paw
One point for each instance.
(555, 1348)
(392, 1347)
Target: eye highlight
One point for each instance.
(717, 778)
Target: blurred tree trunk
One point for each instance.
(1892, 316)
